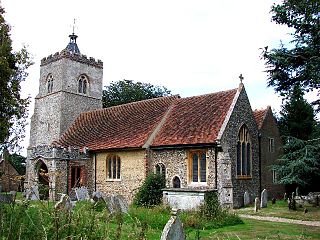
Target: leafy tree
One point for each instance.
(299, 61)
(300, 164)
(297, 118)
(126, 91)
(18, 162)
(13, 108)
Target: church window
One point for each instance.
(197, 166)
(113, 167)
(176, 183)
(271, 144)
(76, 180)
(161, 169)
(244, 153)
(82, 84)
(49, 83)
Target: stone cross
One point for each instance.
(264, 199)
(241, 77)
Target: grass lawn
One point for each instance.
(280, 209)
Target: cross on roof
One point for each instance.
(241, 77)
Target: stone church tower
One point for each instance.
(70, 83)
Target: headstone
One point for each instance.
(14, 194)
(292, 203)
(122, 203)
(33, 193)
(116, 203)
(0, 188)
(256, 204)
(273, 201)
(246, 199)
(82, 194)
(6, 198)
(173, 230)
(297, 191)
(285, 196)
(264, 199)
(96, 196)
(64, 203)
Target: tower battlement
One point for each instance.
(73, 56)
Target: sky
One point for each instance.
(191, 47)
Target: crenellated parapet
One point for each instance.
(58, 153)
(73, 56)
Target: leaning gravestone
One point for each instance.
(256, 204)
(173, 229)
(64, 203)
(246, 199)
(82, 194)
(264, 199)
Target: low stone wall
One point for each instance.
(184, 198)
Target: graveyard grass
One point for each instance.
(280, 209)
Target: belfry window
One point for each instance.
(113, 167)
(244, 153)
(82, 84)
(49, 83)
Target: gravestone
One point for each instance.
(0, 188)
(116, 203)
(6, 198)
(96, 196)
(82, 194)
(14, 194)
(173, 230)
(256, 204)
(297, 191)
(264, 199)
(285, 196)
(33, 193)
(273, 201)
(64, 203)
(246, 199)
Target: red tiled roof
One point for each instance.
(123, 126)
(259, 116)
(195, 120)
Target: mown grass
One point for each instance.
(280, 209)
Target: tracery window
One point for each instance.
(113, 167)
(161, 169)
(197, 166)
(82, 84)
(49, 83)
(244, 158)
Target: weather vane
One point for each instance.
(241, 77)
(74, 23)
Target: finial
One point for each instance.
(241, 77)
(74, 23)
(72, 46)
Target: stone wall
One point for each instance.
(242, 114)
(132, 173)
(176, 163)
(269, 130)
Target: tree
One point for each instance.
(18, 162)
(299, 61)
(297, 118)
(13, 108)
(126, 91)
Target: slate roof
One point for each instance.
(195, 120)
(164, 121)
(124, 126)
(259, 116)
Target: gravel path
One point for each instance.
(284, 220)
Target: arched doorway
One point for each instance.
(43, 180)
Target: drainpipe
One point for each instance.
(216, 166)
(67, 177)
(95, 171)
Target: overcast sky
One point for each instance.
(190, 47)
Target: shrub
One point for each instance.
(150, 193)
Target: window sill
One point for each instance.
(114, 180)
(197, 184)
(244, 177)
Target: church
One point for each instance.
(212, 142)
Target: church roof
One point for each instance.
(164, 121)
(195, 120)
(260, 115)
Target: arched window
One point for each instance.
(49, 83)
(113, 167)
(161, 169)
(176, 183)
(244, 153)
(82, 84)
(197, 166)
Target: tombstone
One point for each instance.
(292, 203)
(264, 199)
(297, 191)
(285, 196)
(33, 193)
(173, 230)
(116, 204)
(6, 198)
(256, 204)
(246, 199)
(122, 203)
(14, 194)
(82, 194)
(0, 188)
(64, 203)
(273, 201)
(97, 196)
